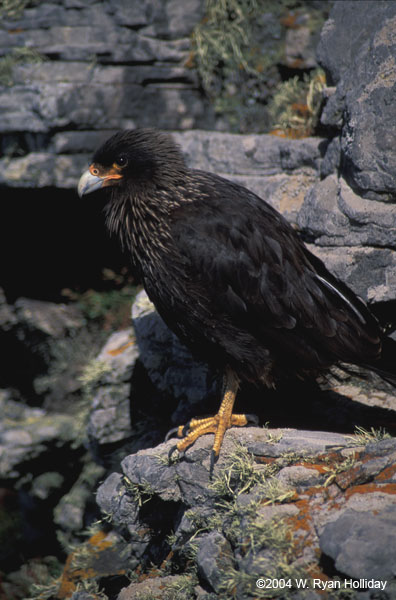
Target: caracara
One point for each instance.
(227, 273)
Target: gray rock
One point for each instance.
(253, 154)
(369, 272)
(214, 558)
(332, 158)
(47, 318)
(300, 47)
(110, 389)
(169, 363)
(28, 434)
(297, 476)
(70, 512)
(239, 537)
(335, 215)
(154, 588)
(295, 440)
(363, 544)
(107, 67)
(353, 236)
(357, 49)
(47, 484)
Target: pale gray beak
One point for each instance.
(89, 183)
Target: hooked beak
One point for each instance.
(90, 182)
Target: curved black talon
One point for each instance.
(213, 460)
(252, 419)
(180, 454)
(170, 432)
(171, 451)
(186, 429)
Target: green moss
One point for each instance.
(181, 589)
(100, 306)
(17, 56)
(12, 9)
(240, 474)
(92, 374)
(141, 492)
(237, 49)
(296, 104)
(362, 436)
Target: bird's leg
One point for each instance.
(218, 424)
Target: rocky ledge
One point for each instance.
(286, 509)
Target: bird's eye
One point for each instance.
(121, 161)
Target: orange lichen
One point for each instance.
(292, 133)
(290, 21)
(386, 474)
(121, 349)
(71, 575)
(370, 488)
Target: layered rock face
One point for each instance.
(309, 506)
(104, 67)
(357, 205)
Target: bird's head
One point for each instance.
(133, 157)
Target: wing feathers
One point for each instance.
(272, 286)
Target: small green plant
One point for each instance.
(295, 107)
(232, 66)
(141, 492)
(17, 56)
(240, 473)
(181, 589)
(92, 373)
(237, 49)
(269, 543)
(46, 575)
(12, 9)
(337, 468)
(362, 436)
(91, 586)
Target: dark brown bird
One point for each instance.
(227, 273)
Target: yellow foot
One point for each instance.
(197, 427)
(217, 424)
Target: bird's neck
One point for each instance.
(141, 221)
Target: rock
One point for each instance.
(368, 551)
(370, 272)
(300, 45)
(357, 49)
(213, 558)
(28, 434)
(109, 382)
(353, 236)
(169, 364)
(53, 343)
(155, 587)
(344, 218)
(240, 522)
(47, 318)
(101, 68)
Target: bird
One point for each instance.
(228, 274)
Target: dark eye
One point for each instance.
(121, 160)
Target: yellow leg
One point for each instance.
(218, 424)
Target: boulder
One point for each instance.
(272, 504)
(357, 49)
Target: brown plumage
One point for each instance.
(226, 271)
